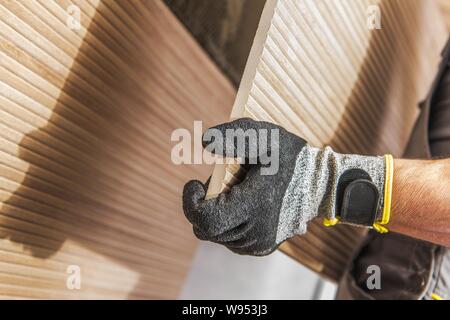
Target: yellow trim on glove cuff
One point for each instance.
(435, 296)
(330, 222)
(386, 214)
(379, 226)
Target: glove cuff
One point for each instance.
(337, 187)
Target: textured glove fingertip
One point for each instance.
(193, 193)
(241, 123)
(199, 234)
(194, 190)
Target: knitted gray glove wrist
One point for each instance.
(262, 211)
(312, 190)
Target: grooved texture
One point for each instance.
(445, 9)
(316, 69)
(86, 177)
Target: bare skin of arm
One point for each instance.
(421, 200)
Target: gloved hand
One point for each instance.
(262, 211)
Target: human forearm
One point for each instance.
(421, 200)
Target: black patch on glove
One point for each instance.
(357, 198)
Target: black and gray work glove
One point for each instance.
(263, 210)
